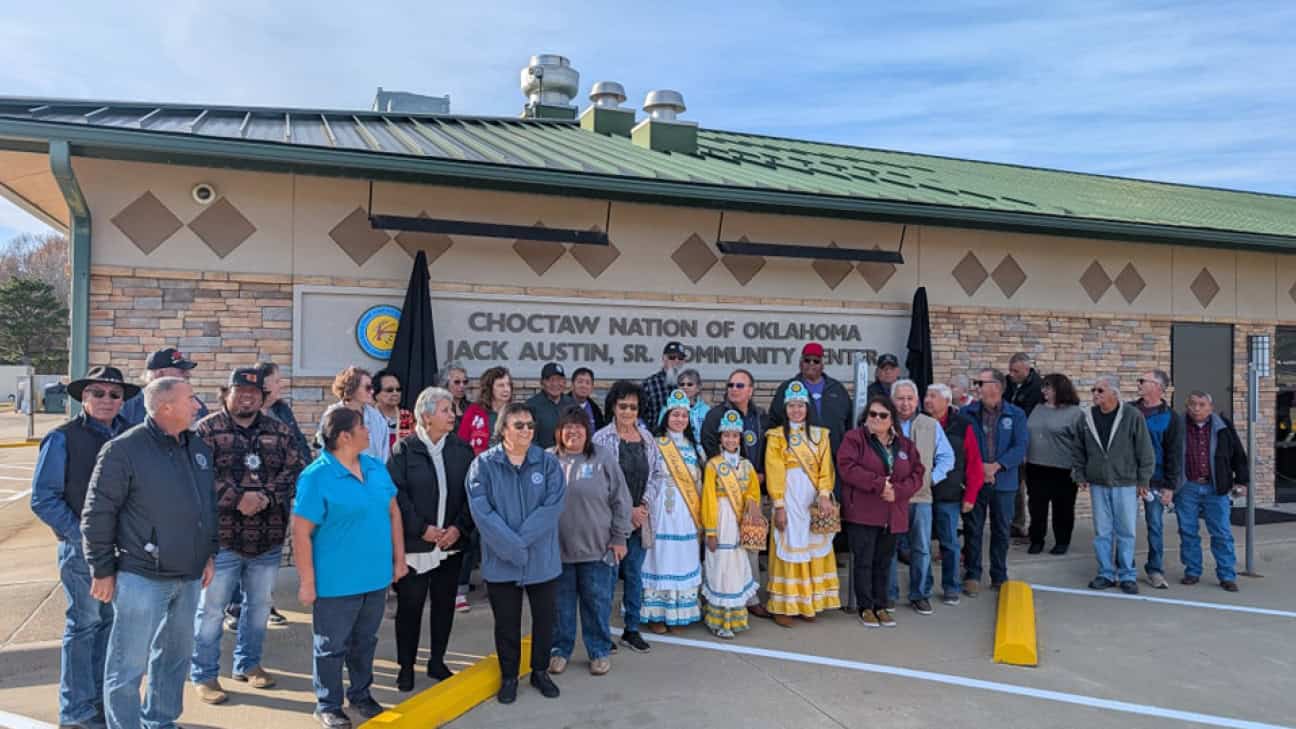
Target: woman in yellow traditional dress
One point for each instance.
(730, 488)
(672, 568)
(799, 473)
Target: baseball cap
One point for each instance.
(813, 349)
(888, 360)
(169, 357)
(250, 376)
(675, 348)
(550, 370)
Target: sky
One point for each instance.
(1198, 92)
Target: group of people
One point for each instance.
(172, 520)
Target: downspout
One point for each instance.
(60, 154)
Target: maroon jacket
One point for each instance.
(863, 474)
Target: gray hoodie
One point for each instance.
(596, 512)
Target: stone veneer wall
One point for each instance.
(222, 320)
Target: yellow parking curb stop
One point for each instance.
(1015, 641)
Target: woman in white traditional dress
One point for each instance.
(672, 569)
(730, 489)
(799, 474)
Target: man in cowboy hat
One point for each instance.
(63, 467)
(166, 362)
(256, 462)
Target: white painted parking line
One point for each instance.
(1166, 601)
(1063, 697)
(15, 721)
(8, 496)
(15, 478)
(18, 466)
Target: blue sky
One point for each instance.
(1194, 92)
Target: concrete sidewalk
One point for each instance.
(1189, 658)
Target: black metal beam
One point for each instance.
(790, 250)
(487, 230)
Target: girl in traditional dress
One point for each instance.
(730, 488)
(799, 473)
(672, 569)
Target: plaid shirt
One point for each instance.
(262, 457)
(656, 392)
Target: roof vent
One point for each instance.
(664, 104)
(662, 131)
(549, 83)
(606, 115)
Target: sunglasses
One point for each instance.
(97, 393)
(1098, 390)
(978, 383)
(688, 384)
(879, 415)
(368, 387)
(1145, 381)
(675, 357)
(812, 360)
(627, 407)
(737, 385)
(523, 425)
(458, 382)
(390, 390)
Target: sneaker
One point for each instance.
(1129, 587)
(557, 664)
(209, 692)
(231, 623)
(461, 604)
(1190, 580)
(634, 641)
(545, 685)
(725, 634)
(333, 719)
(922, 607)
(276, 618)
(508, 691)
(1059, 549)
(950, 600)
(869, 619)
(1158, 581)
(1101, 583)
(1035, 548)
(256, 678)
(1229, 585)
(884, 618)
(367, 707)
(971, 587)
(600, 666)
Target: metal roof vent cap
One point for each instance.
(549, 80)
(664, 104)
(607, 94)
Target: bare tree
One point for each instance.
(42, 256)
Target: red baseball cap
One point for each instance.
(813, 349)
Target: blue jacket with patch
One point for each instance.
(1168, 443)
(1011, 441)
(516, 510)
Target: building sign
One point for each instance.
(614, 338)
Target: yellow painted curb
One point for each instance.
(1015, 641)
(20, 444)
(451, 698)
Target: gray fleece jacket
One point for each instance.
(1126, 459)
(596, 513)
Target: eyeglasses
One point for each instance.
(523, 425)
(879, 415)
(458, 382)
(675, 357)
(97, 393)
(978, 383)
(1098, 390)
(688, 384)
(812, 360)
(627, 407)
(1145, 381)
(390, 390)
(736, 385)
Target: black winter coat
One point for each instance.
(417, 490)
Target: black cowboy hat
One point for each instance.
(106, 376)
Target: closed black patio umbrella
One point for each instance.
(919, 360)
(413, 356)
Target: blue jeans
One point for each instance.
(1196, 501)
(152, 630)
(589, 584)
(85, 639)
(919, 538)
(1000, 506)
(946, 518)
(1115, 510)
(632, 573)
(345, 633)
(257, 576)
(1154, 515)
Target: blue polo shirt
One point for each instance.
(352, 539)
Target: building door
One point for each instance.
(1201, 358)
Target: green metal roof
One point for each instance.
(730, 169)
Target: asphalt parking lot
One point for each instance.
(1186, 657)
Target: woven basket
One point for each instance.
(825, 522)
(753, 533)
